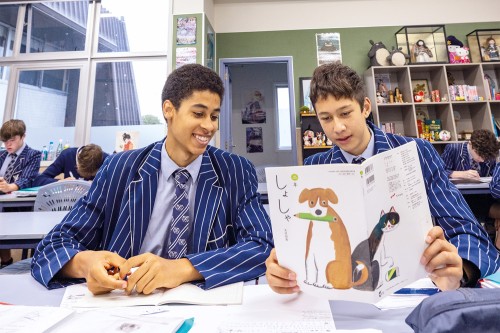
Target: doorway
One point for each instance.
(258, 110)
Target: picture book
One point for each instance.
(78, 296)
(352, 231)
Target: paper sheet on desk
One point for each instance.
(265, 311)
(30, 319)
(406, 300)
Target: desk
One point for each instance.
(10, 200)
(23, 230)
(24, 290)
(474, 188)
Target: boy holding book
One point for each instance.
(459, 251)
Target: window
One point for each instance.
(8, 19)
(283, 131)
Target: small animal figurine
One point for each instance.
(397, 57)
(378, 54)
(370, 253)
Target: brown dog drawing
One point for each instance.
(327, 267)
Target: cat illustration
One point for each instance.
(376, 261)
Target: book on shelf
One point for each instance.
(78, 296)
(352, 232)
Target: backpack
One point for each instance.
(461, 310)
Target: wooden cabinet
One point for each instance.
(310, 122)
(457, 116)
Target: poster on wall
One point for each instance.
(185, 55)
(210, 47)
(254, 140)
(186, 30)
(328, 48)
(253, 111)
(126, 140)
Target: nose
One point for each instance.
(317, 212)
(338, 126)
(209, 125)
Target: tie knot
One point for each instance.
(358, 160)
(181, 176)
(13, 155)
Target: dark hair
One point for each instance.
(126, 136)
(90, 158)
(184, 81)
(11, 128)
(485, 144)
(339, 81)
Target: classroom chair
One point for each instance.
(61, 195)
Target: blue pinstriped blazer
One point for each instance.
(447, 205)
(456, 158)
(231, 235)
(26, 166)
(495, 182)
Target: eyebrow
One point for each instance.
(203, 106)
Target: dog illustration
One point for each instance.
(327, 267)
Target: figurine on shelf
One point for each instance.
(420, 52)
(398, 95)
(491, 50)
(308, 138)
(380, 99)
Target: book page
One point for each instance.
(30, 319)
(78, 296)
(323, 219)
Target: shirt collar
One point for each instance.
(369, 151)
(168, 166)
(20, 150)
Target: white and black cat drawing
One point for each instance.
(377, 263)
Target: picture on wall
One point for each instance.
(186, 30)
(185, 55)
(126, 140)
(253, 111)
(210, 47)
(305, 85)
(254, 140)
(328, 48)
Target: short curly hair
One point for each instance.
(184, 81)
(90, 159)
(485, 144)
(339, 81)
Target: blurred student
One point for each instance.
(179, 209)
(19, 165)
(75, 163)
(459, 251)
(473, 159)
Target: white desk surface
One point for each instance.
(24, 290)
(262, 188)
(11, 197)
(28, 225)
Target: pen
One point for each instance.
(186, 326)
(309, 216)
(417, 291)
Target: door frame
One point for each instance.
(226, 139)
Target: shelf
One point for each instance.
(472, 115)
(308, 114)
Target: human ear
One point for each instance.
(367, 107)
(168, 109)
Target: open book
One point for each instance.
(78, 296)
(349, 231)
(27, 192)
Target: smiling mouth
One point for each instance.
(202, 139)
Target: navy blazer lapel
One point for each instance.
(464, 157)
(142, 196)
(18, 165)
(381, 141)
(207, 206)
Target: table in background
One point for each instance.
(24, 230)
(11, 200)
(262, 189)
(474, 188)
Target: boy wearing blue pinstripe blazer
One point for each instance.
(459, 251)
(123, 221)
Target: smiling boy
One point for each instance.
(180, 210)
(459, 251)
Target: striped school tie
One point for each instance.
(358, 160)
(179, 228)
(9, 173)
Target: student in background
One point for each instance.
(74, 163)
(459, 251)
(178, 209)
(19, 165)
(473, 159)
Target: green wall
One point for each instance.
(301, 45)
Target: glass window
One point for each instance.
(283, 132)
(55, 27)
(126, 26)
(8, 19)
(4, 81)
(127, 100)
(47, 102)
